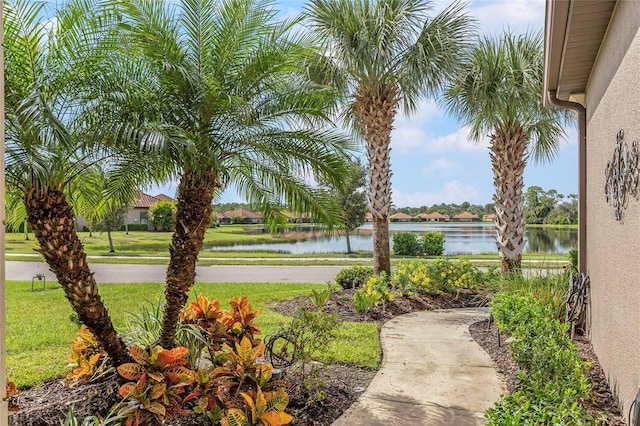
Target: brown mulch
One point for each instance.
(335, 387)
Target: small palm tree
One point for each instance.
(386, 55)
(220, 93)
(498, 91)
(45, 152)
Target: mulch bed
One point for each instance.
(336, 387)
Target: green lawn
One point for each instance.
(39, 326)
(144, 243)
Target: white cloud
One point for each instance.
(440, 165)
(452, 192)
(517, 15)
(459, 140)
(408, 132)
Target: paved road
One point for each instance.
(108, 273)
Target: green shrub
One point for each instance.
(432, 243)
(552, 379)
(573, 256)
(406, 244)
(448, 275)
(550, 290)
(433, 277)
(354, 276)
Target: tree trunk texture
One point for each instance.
(193, 216)
(508, 158)
(111, 248)
(53, 224)
(376, 110)
(348, 241)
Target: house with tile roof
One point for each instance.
(138, 212)
(432, 217)
(247, 216)
(401, 217)
(466, 217)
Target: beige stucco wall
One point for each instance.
(613, 248)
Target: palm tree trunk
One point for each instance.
(111, 249)
(348, 240)
(508, 158)
(193, 216)
(53, 224)
(376, 110)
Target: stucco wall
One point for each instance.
(613, 248)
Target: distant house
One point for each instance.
(401, 217)
(466, 217)
(489, 217)
(432, 217)
(294, 217)
(247, 216)
(138, 212)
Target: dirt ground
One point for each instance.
(334, 388)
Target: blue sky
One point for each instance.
(431, 159)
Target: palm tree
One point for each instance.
(225, 99)
(45, 154)
(386, 55)
(498, 91)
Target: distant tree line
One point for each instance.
(450, 210)
(550, 207)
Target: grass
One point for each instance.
(549, 288)
(39, 328)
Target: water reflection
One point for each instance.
(473, 238)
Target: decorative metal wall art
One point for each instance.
(622, 175)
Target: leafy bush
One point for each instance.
(376, 291)
(550, 289)
(573, 256)
(162, 215)
(552, 379)
(448, 275)
(232, 390)
(87, 359)
(433, 277)
(354, 276)
(406, 244)
(432, 243)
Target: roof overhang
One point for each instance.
(574, 30)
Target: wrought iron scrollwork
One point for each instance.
(622, 175)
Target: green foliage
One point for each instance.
(552, 381)
(135, 227)
(550, 289)
(162, 215)
(111, 420)
(321, 297)
(432, 243)
(354, 276)
(409, 244)
(441, 275)
(351, 198)
(376, 291)
(364, 302)
(311, 331)
(406, 244)
(573, 256)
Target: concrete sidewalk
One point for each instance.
(433, 373)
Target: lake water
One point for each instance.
(468, 238)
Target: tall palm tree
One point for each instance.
(225, 99)
(498, 92)
(386, 55)
(45, 153)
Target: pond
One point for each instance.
(467, 238)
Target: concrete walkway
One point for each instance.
(433, 373)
